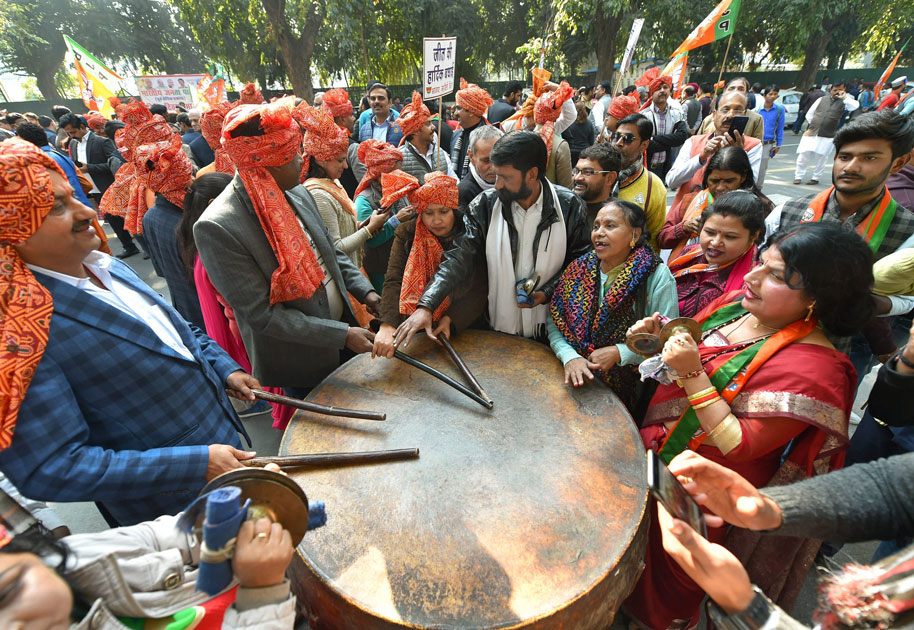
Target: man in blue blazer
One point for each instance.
(115, 399)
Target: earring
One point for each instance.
(632, 244)
(809, 311)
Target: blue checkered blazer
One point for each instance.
(116, 416)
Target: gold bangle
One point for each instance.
(727, 435)
(706, 403)
(703, 393)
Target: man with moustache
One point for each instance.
(824, 117)
(481, 174)
(636, 183)
(472, 104)
(670, 129)
(595, 175)
(525, 229)
(380, 126)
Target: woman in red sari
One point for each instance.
(724, 254)
(763, 377)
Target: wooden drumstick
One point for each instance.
(465, 370)
(443, 377)
(319, 460)
(318, 408)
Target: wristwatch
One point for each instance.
(753, 617)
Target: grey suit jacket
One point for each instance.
(290, 344)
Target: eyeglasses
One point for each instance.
(626, 138)
(587, 172)
(735, 112)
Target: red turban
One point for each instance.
(655, 84)
(165, 169)
(547, 110)
(26, 306)
(426, 252)
(336, 103)
(96, 123)
(251, 95)
(211, 127)
(473, 98)
(413, 117)
(298, 274)
(623, 106)
(649, 75)
(324, 140)
(126, 197)
(378, 158)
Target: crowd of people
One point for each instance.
(288, 232)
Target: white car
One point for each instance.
(790, 100)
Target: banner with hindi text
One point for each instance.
(438, 61)
(170, 90)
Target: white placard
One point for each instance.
(438, 61)
(630, 47)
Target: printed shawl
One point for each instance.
(587, 325)
(26, 197)
(298, 274)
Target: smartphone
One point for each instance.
(738, 123)
(677, 501)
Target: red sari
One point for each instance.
(802, 396)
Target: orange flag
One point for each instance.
(720, 23)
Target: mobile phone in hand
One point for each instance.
(738, 123)
(677, 501)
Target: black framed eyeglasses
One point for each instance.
(626, 138)
(587, 172)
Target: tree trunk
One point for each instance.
(46, 74)
(607, 29)
(815, 51)
(296, 50)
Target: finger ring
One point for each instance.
(260, 535)
(681, 342)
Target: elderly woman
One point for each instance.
(727, 170)
(419, 245)
(325, 148)
(604, 292)
(724, 254)
(763, 378)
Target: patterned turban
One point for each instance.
(96, 123)
(211, 127)
(299, 274)
(324, 140)
(473, 98)
(165, 169)
(26, 197)
(336, 103)
(413, 117)
(126, 197)
(540, 77)
(547, 110)
(378, 158)
(251, 95)
(623, 106)
(426, 252)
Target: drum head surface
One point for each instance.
(528, 512)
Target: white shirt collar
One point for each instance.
(96, 261)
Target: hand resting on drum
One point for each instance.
(262, 554)
(359, 340)
(421, 319)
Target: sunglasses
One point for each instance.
(626, 138)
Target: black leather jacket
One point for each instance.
(469, 249)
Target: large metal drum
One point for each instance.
(531, 515)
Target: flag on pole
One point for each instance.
(720, 23)
(630, 47)
(97, 82)
(888, 72)
(211, 90)
(676, 68)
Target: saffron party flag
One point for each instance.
(676, 68)
(96, 81)
(888, 72)
(720, 23)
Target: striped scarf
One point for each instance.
(587, 325)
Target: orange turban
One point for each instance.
(378, 158)
(623, 106)
(473, 98)
(426, 252)
(299, 274)
(211, 127)
(336, 103)
(324, 140)
(413, 117)
(655, 84)
(126, 197)
(26, 306)
(649, 75)
(96, 123)
(547, 110)
(251, 95)
(540, 76)
(164, 168)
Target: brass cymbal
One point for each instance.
(680, 324)
(645, 344)
(272, 495)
